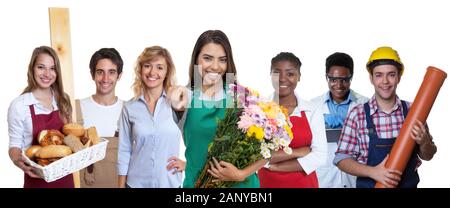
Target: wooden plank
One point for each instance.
(60, 41)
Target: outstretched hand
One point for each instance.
(178, 96)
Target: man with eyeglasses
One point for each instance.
(335, 104)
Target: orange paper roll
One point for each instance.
(420, 108)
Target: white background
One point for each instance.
(257, 30)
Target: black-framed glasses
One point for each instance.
(335, 80)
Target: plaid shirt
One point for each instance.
(354, 139)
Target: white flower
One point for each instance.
(271, 146)
(281, 119)
(284, 143)
(263, 145)
(287, 150)
(276, 140)
(265, 153)
(276, 143)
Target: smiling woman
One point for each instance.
(296, 170)
(210, 70)
(148, 136)
(212, 62)
(42, 105)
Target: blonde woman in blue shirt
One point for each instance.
(148, 136)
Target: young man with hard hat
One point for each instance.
(370, 129)
(335, 104)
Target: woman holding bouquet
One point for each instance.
(309, 146)
(148, 136)
(211, 70)
(42, 105)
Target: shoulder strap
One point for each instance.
(78, 113)
(369, 121)
(32, 110)
(404, 109)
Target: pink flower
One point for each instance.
(254, 110)
(272, 122)
(245, 122)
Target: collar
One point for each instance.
(219, 95)
(350, 98)
(163, 95)
(29, 99)
(374, 106)
(302, 105)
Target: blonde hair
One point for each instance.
(62, 99)
(149, 54)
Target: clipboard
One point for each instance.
(333, 135)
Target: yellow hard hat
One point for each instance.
(384, 55)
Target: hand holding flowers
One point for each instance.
(251, 130)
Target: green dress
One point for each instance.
(199, 130)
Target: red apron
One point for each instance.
(42, 122)
(302, 138)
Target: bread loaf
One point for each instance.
(31, 151)
(53, 151)
(93, 136)
(74, 143)
(73, 129)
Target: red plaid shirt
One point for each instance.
(354, 139)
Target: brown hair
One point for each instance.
(212, 36)
(62, 99)
(148, 54)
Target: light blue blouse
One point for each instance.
(338, 111)
(146, 141)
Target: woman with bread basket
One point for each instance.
(43, 105)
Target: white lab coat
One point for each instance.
(329, 175)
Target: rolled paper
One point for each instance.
(420, 108)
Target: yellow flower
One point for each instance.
(255, 131)
(289, 131)
(285, 111)
(253, 92)
(270, 109)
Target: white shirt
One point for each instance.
(104, 118)
(318, 155)
(20, 125)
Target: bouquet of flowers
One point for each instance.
(250, 131)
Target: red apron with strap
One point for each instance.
(298, 179)
(43, 122)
